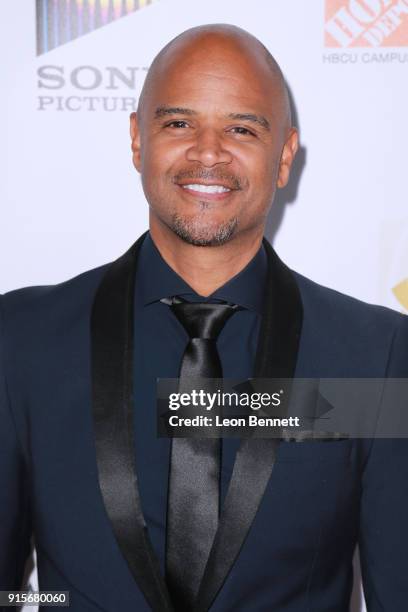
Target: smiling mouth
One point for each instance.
(199, 188)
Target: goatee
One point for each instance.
(198, 234)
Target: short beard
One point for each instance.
(193, 233)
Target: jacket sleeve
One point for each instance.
(15, 522)
(384, 512)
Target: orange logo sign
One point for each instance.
(366, 23)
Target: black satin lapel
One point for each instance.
(282, 319)
(276, 357)
(112, 389)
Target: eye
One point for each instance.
(177, 124)
(242, 131)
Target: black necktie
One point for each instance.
(193, 499)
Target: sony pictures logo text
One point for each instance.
(89, 88)
(366, 23)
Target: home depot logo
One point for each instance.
(366, 23)
(60, 21)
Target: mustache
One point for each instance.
(232, 181)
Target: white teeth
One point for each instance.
(207, 188)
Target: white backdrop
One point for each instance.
(71, 200)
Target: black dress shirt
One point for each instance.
(159, 343)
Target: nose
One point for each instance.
(208, 149)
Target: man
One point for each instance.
(126, 521)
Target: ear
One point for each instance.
(288, 155)
(135, 138)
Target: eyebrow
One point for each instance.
(162, 111)
(262, 121)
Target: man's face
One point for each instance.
(209, 143)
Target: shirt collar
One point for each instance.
(156, 280)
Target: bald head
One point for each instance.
(212, 137)
(220, 43)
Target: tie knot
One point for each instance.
(202, 319)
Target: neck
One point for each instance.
(205, 268)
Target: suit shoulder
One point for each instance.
(362, 340)
(40, 306)
(332, 305)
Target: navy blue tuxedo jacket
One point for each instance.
(294, 511)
